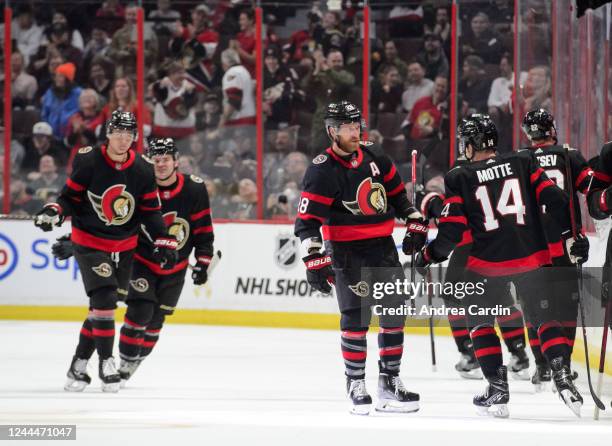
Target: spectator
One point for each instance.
(175, 96)
(426, 115)
(328, 35)
(537, 89)
(46, 183)
(59, 39)
(99, 79)
(406, 21)
(417, 86)
(209, 119)
(81, 130)
(391, 58)
(187, 165)
(24, 86)
(123, 45)
(433, 59)
(441, 26)
(244, 43)
(474, 86)
(386, 96)
(44, 70)
(42, 143)
(279, 91)
(25, 32)
(201, 70)
(165, 20)
(294, 166)
(76, 39)
(61, 100)
(96, 48)
(245, 201)
(200, 29)
(481, 40)
(196, 147)
(22, 201)
(328, 82)
(111, 16)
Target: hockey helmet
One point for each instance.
(121, 120)
(342, 112)
(539, 124)
(162, 146)
(479, 131)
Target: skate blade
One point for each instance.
(123, 383)
(496, 410)
(111, 387)
(360, 409)
(472, 374)
(542, 387)
(72, 385)
(574, 406)
(394, 406)
(521, 375)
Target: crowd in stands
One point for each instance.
(73, 63)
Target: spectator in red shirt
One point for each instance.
(426, 115)
(81, 129)
(245, 40)
(112, 16)
(200, 29)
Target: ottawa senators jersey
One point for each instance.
(186, 212)
(108, 200)
(498, 199)
(599, 208)
(352, 198)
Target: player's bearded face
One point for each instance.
(164, 166)
(348, 137)
(120, 141)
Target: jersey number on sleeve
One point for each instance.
(510, 202)
(303, 205)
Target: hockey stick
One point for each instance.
(570, 186)
(413, 255)
(602, 353)
(16, 217)
(434, 367)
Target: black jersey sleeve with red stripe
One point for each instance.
(149, 204)
(318, 194)
(395, 188)
(77, 183)
(583, 174)
(452, 218)
(200, 220)
(597, 199)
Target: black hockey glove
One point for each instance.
(416, 233)
(165, 252)
(199, 273)
(422, 261)
(48, 217)
(578, 249)
(62, 249)
(319, 272)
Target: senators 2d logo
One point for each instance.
(8, 256)
(178, 227)
(371, 199)
(115, 207)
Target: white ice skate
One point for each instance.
(468, 367)
(111, 380)
(78, 378)
(519, 366)
(393, 396)
(359, 399)
(127, 369)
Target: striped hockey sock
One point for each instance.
(553, 341)
(391, 347)
(569, 327)
(487, 349)
(461, 334)
(354, 352)
(512, 329)
(103, 322)
(86, 345)
(534, 343)
(151, 336)
(130, 340)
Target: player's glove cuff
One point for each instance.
(166, 242)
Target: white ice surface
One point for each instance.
(225, 385)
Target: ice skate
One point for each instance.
(393, 396)
(78, 378)
(494, 400)
(127, 369)
(468, 366)
(541, 378)
(109, 375)
(360, 400)
(568, 392)
(519, 366)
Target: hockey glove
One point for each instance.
(319, 272)
(422, 261)
(62, 249)
(416, 233)
(199, 273)
(578, 249)
(165, 252)
(48, 217)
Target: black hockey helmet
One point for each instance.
(539, 124)
(342, 112)
(162, 146)
(479, 131)
(121, 120)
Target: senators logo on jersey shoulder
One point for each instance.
(115, 206)
(371, 199)
(178, 227)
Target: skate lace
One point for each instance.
(108, 367)
(398, 385)
(359, 388)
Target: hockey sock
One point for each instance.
(553, 341)
(487, 349)
(138, 315)
(534, 343)
(103, 322)
(512, 329)
(461, 334)
(354, 351)
(390, 348)
(570, 333)
(86, 345)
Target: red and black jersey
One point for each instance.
(351, 198)
(186, 211)
(108, 200)
(599, 208)
(552, 158)
(498, 200)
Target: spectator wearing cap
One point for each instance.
(386, 96)
(46, 183)
(24, 86)
(175, 97)
(81, 130)
(427, 113)
(27, 34)
(111, 16)
(244, 43)
(279, 90)
(417, 86)
(433, 58)
(123, 45)
(481, 40)
(391, 57)
(165, 19)
(474, 85)
(61, 100)
(42, 143)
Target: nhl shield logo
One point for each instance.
(115, 206)
(287, 250)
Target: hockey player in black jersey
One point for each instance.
(109, 194)
(353, 193)
(539, 126)
(498, 198)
